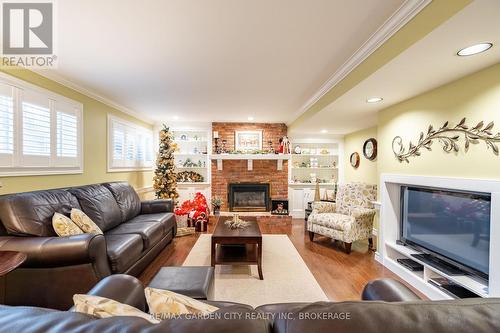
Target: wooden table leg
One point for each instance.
(212, 251)
(259, 259)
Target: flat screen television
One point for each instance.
(453, 226)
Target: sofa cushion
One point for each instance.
(167, 220)
(101, 307)
(150, 232)
(123, 251)
(84, 222)
(166, 304)
(99, 204)
(332, 220)
(30, 213)
(64, 226)
(127, 199)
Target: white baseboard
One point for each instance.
(378, 258)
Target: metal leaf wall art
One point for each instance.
(448, 137)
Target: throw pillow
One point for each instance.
(63, 226)
(84, 222)
(102, 307)
(164, 304)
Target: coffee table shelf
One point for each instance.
(236, 255)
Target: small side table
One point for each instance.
(9, 260)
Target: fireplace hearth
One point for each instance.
(249, 197)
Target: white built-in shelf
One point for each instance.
(474, 284)
(191, 140)
(311, 184)
(318, 168)
(315, 155)
(186, 168)
(279, 158)
(194, 147)
(188, 154)
(193, 183)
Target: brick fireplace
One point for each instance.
(263, 171)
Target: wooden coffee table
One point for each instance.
(237, 246)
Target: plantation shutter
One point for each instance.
(6, 125)
(67, 135)
(36, 130)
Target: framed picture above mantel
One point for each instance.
(248, 140)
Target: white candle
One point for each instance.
(216, 135)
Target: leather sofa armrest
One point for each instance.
(121, 288)
(48, 252)
(157, 206)
(388, 290)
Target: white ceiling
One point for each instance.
(427, 64)
(212, 60)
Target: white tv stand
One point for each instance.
(389, 231)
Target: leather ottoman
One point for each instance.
(193, 281)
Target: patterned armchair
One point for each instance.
(349, 219)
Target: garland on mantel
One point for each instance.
(448, 137)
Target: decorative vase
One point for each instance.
(217, 211)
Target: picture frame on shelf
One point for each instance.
(248, 140)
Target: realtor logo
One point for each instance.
(28, 29)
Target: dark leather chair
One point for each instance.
(58, 267)
(378, 315)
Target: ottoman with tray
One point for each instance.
(193, 281)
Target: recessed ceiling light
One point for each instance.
(176, 117)
(250, 118)
(374, 99)
(474, 49)
(324, 131)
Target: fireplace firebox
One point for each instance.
(249, 197)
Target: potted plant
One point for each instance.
(216, 204)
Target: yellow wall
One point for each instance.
(476, 97)
(95, 144)
(367, 170)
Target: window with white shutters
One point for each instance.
(130, 146)
(40, 132)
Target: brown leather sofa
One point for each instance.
(58, 267)
(389, 307)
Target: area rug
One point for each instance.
(286, 276)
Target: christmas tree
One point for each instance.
(164, 180)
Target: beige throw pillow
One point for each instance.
(164, 304)
(102, 307)
(84, 222)
(63, 226)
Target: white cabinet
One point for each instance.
(300, 195)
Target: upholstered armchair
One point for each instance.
(349, 219)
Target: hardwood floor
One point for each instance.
(341, 276)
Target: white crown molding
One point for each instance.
(92, 94)
(396, 21)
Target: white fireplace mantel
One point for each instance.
(279, 158)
